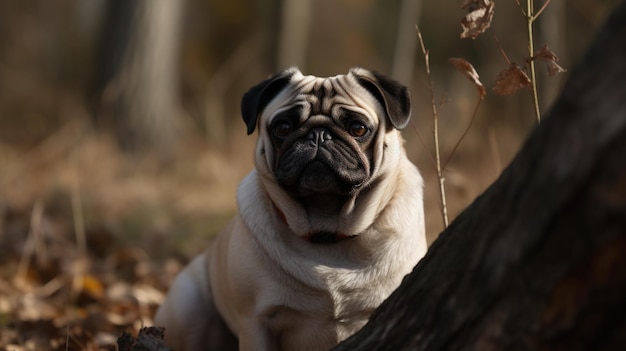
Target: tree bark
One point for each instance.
(538, 262)
(139, 90)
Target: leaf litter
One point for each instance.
(61, 301)
(61, 291)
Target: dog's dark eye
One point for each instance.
(357, 129)
(282, 129)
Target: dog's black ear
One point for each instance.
(394, 96)
(257, 98)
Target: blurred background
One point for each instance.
(121, 142)
(133, 106)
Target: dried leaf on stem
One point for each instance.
(546, 55)
(468, 70)
(511, 79)
(478, 18)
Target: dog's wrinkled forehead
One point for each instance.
(324, 95)
(361, 90)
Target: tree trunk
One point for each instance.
(538, 262)
(140, 91)
(294, 33)
(406, 45)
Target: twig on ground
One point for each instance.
(79, 232)
(32, 242)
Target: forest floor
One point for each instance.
(90, 239)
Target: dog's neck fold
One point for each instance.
(355, 216)
(321, 237)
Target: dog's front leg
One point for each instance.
(189, 316)
(253, 336)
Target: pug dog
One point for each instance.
(330, 220)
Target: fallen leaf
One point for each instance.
(510, 80)
(468, 70)
(546, 55)
(92, 286)
(478, 18)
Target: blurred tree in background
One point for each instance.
(138, 72)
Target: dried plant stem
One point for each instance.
(530, 18)
(424, 144)
(543, 7)
(79, 229)
(32, 242)
(440, 177)
(469, 125)
(79, 222)
(502, 52)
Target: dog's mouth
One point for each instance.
(318, 177)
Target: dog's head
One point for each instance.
(319, 135)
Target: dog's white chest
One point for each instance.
(315, 319)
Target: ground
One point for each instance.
(90, 239)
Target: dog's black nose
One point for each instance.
(319, 135)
